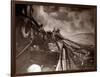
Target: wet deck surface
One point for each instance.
(46, 60)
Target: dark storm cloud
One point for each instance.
(70, 20)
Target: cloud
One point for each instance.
(70, 21)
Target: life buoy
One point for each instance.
(24, 33)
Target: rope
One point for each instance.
(23, 50)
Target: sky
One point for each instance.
(75, 23)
